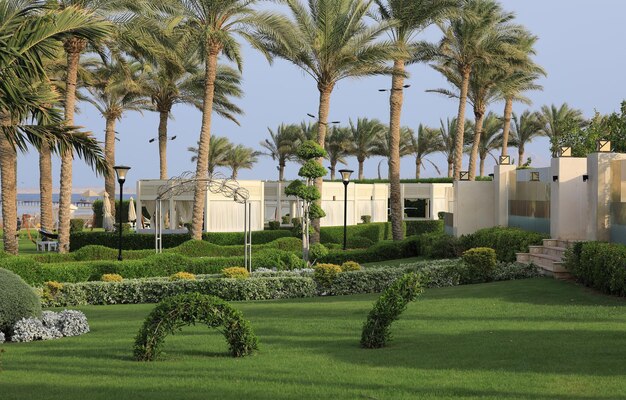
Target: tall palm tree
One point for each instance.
(114, 89)
(427, 141)
(491, 139)
(382, 146)
(219, 148)
(210, 28)
(519, 77)
(29, 36)
(479, 33)
(282, 145)
(448, 130)
(407, 19)
(524, 129)
(337, 147)
(556, 121)
(330, 41)
(240, 157)
(364, 139)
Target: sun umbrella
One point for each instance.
(107, 218)
(132, 214)
(89, 193)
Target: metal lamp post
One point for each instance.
(120, 171)
(345, 177)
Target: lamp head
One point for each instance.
(345, 175)
(121, 171)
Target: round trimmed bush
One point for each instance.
(287, 244)
(183, 276)
(236, 272)
(350, 266)
(481, 264)
(17, 300)
(325, 274)
(388, 307)
(175, 312)
(317, 251)
(111, 278)
(358, 242)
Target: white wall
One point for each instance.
(474, 204)
(599, 194)
(568, 199)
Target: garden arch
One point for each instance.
(215, 183)
(176, 312)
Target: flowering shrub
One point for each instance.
(72, 323)
(51, 326)
(111, 278)
(183, 276)
(51, 289)
(2, 337)
(30, 329)
(236, 272)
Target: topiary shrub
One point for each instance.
(350, 266)
(366, 219)
(236, 272)
(325, 274)
(17, 301)
(182, 276)
(481, 264)
(273, 225)
(276, 259)
(51, 290)
(358, 242)
(175, 312)
(388, 307)
(317, 251)
(111, 278)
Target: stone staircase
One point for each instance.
(548, 257)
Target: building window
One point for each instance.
(417, 208)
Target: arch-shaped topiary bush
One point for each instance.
(17, 301)
(388, 307)
(175, 312)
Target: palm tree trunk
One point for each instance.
(450, 168)
(45, 187)
(520, 154)
(418, 167)
(395, 105)
(324, 108)
(8, 178)
(333, 167)
(482, 165)
(460, 126)
(234, 174)
(508, 113)
(109, 155)
(478, 131)
(73, 47)
(361, 174)
(281, 171)
(204, 143)
(163, 115)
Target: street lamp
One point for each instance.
(388, 90)
(120, 171)
(323, 123)
(345, 177)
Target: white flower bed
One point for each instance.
(51, 326)
(2, 338)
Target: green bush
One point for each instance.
(76, 225)
(382, 251)
(236, 273)
(325, 274)
(98, 211)
(376, 232)
(317, 251)
(17, 301)
(388, 307)
(273, 225)
(426, 226)
(136, 291)
(481, 264)
(358, 242)
(278, 259)
(601, 266)
(439, 245)
(350, 266)
(187, 309)
(505, 241)
(366, 219)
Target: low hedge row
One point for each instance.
(421, 227)
(263, 288)
(599, 265)
(142, 241)
(382, 251)
(374, 231)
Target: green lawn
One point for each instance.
(532, 339)
(395, 263)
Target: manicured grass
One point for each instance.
(395, 263)
(531, 339)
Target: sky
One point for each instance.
(580, 46)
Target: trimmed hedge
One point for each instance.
(420, 227)
(382, 251)
(143, 241)
(599, 265)
(505, 241)
(17, 301)
(375, 231)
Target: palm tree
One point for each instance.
(330, 41)
(218, 150)
(427, 141)
(114, 89)
(407, 19)
(519, 77)
(282, 145)
(240, 157)
(524, 128)
(557, 121)
(364, 140)
(448, 130)
(479, 35)
(337, 148)
(29, 36)
(491, 139)
(382, 146)
(209, 28)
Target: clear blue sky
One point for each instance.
(580, 46)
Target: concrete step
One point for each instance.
(548, 250)
(523, 257)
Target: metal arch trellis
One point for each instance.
(215, 183)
